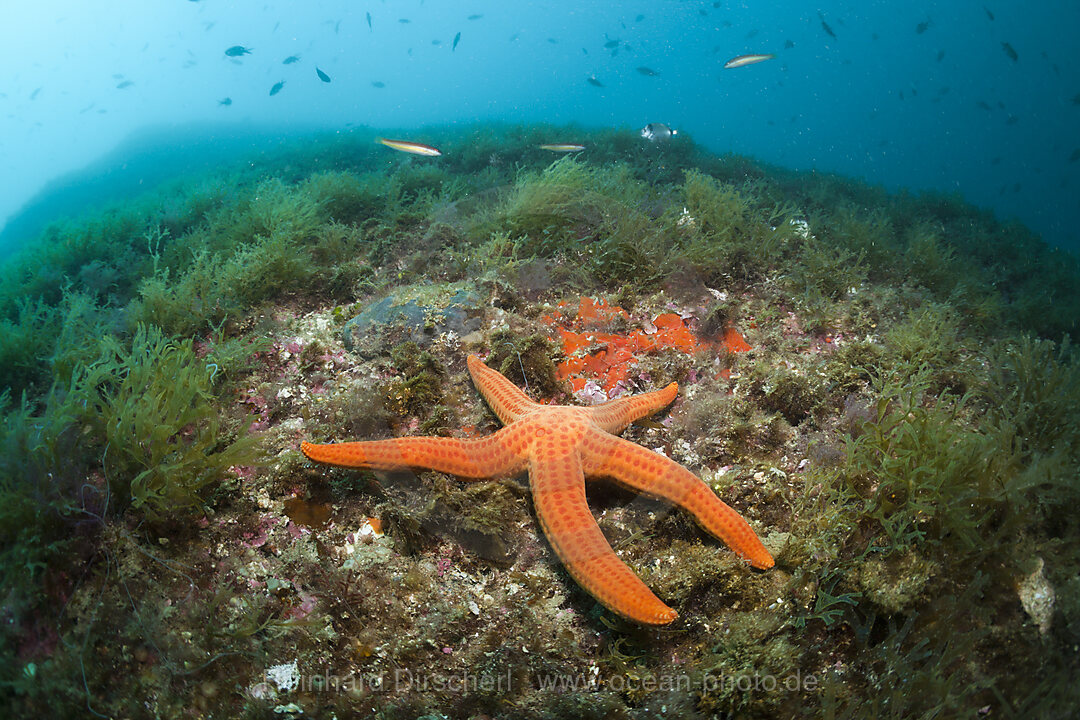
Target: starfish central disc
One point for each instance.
(560, 446)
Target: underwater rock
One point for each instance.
(390, 322)
(1037, 597)
(898, 583)
(286, 676)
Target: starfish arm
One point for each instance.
(653, 474)
(486, 457)
(558, 490)
(614, 415)
(507, 400)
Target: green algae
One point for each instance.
(419, 389)
(152, 405)
(525, 361)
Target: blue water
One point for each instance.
(907, 95)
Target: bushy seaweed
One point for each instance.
(43, 480)
(729, 235)
(163, 436)
(25, 341)
(920, 473)
(1033, 392)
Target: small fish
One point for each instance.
(408, 146)
(457, 39)
(369, 21)
(290, 60)
(1010, 52)
(940, 55)
(984, 105)
(751, 35)
(788, 44)
(1075, 155)
(553, 41)
(378, 84)
(322, 76)
(825, 26)
(474, 17)
(647, 71)
(611, 44)
(237, 51)
(562, 147)
(277, 88)
(593, 81)
(1012, 120)
(226, 102)
(436, 43)
(741, 60)
(1076, 99)
(639, 18)
(988, 13)
(125, 84)
(404, 21)
(658, 132)
(923, 26)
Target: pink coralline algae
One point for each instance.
(259, 536)
(260, 409)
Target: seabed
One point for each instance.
(881, 384)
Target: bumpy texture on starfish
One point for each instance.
(559, 445)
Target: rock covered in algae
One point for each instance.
(1037, 597)
(413, 320)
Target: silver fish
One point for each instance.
(658, 132)
(741, 60)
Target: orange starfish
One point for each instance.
(560, 445)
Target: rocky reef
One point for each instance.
(883, 385)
